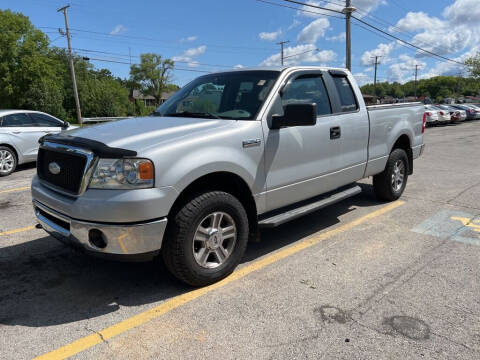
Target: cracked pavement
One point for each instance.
(378, 290)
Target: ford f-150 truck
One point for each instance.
(229, 153)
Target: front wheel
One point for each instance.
(390, 184)
(206, 238)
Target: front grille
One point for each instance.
(72, 167)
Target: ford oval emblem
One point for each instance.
(54, 168)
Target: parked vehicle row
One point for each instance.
(441, 114)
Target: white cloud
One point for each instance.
(458, 30)
(294, 24)
(463, 12)
(301, 54)
(119, 29)
(382, 50)
(238, 66)
(362, 78)
(450, 68)
(189, 38)
(414, 21)
(403, 71)
(189, 55)
(316, 29)
(270, 36)
(339, 38)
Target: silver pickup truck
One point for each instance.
(229, 153)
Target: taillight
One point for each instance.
(424, 123)
(428, 113)
(442, 113)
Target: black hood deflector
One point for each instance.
(99, 148)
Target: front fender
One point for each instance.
(194, 165)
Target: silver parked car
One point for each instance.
(20, 131)
(431, 115)
(443, 116)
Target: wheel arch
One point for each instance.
(404, 142)
(221, 181)
(13, 148)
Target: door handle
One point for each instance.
(335, 132)
(15, 132)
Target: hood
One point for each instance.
(141, 133)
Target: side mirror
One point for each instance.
(65, 125)
(295, 115)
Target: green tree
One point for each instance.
(28, 75)
(473, 65)
(153, 74)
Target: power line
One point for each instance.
(304, 52)
(128, 63)
(124, 56)
(299, 9)
(110, 36)
(406, 42)
(379, 30)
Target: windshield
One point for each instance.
(232, 95)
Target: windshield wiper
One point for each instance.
(194, 114)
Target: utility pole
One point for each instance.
(281, 43)
(416, 72)
(348, 10)
(72, 68)
(375, 76)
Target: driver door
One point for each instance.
(298, 160)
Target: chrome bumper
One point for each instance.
(121, 239)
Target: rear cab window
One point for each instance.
(348, 101)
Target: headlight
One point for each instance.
(122, 174)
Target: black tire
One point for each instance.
(9, 151)
(383, 185)
(177, 250)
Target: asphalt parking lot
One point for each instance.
(361, 279)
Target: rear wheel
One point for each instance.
(206, 239)
(390, 184)
(8, 161)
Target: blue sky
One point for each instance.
(210, 35)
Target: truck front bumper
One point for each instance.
(123, 240)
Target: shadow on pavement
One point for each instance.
(59, 285)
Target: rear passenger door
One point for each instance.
(352, 126)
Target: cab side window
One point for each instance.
(17, 120)
(308, 89)
(44, 120)
(348, 101)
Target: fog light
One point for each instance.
(97, 239)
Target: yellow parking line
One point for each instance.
(14, 231)
(139, 319)
(15, 190)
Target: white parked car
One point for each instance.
(431, 115)
(20, 131)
